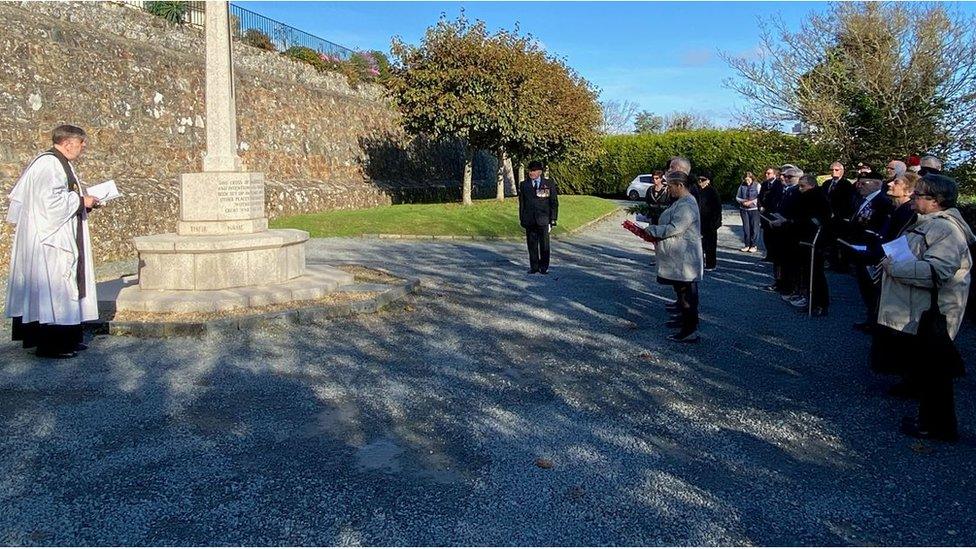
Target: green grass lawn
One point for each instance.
(484, 218)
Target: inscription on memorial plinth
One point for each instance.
(214, 203)
(221, 196)
(240, 198)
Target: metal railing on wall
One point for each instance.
(283, 36)
(242, 20)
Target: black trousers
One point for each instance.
(819, 293)
(537, 238)
(794, 268)
(936, 401)
(709, 247)
(870, 292)
(892, 352)
(48, 338)
(833, 249)
(936, 404)
(687, 305)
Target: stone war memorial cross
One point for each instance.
(222, 257)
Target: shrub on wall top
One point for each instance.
(172, 11)
(361, 66)
(306, 55)
(258, 39)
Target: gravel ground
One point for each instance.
(422, 425)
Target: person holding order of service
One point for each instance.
(677, 238)
(924, 296)
(51, 290)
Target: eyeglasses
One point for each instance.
(917, 194)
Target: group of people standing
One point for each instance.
(914, 301)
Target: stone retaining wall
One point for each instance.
(136, 84)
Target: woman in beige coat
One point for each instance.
(678, 255)
(940, 242)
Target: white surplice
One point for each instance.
(43, 284)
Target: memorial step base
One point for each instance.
(124, 294)
(177, 262)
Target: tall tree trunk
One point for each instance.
(466, 182)
(500, 176)
(509, 175)
(521, 177)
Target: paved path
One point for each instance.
(422, 425)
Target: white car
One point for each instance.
(638, 187)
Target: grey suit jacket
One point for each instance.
(679, 252)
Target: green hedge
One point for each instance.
(727, 154)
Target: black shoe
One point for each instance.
(771, 288)
(865, 327)
(544, 271)
(910, 427)
(45, 354)
(533, 271)
(693, 337)
(673, 323)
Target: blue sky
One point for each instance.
(661, 55)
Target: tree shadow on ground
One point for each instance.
(422, 425)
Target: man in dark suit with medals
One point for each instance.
(538, 210)
(864, 228)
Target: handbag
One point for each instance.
(933, 333)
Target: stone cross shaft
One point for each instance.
(220, 101)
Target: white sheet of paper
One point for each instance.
(104, 191)
(898, 250)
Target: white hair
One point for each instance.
(680, 164)
(899, 167)
(929, 161)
